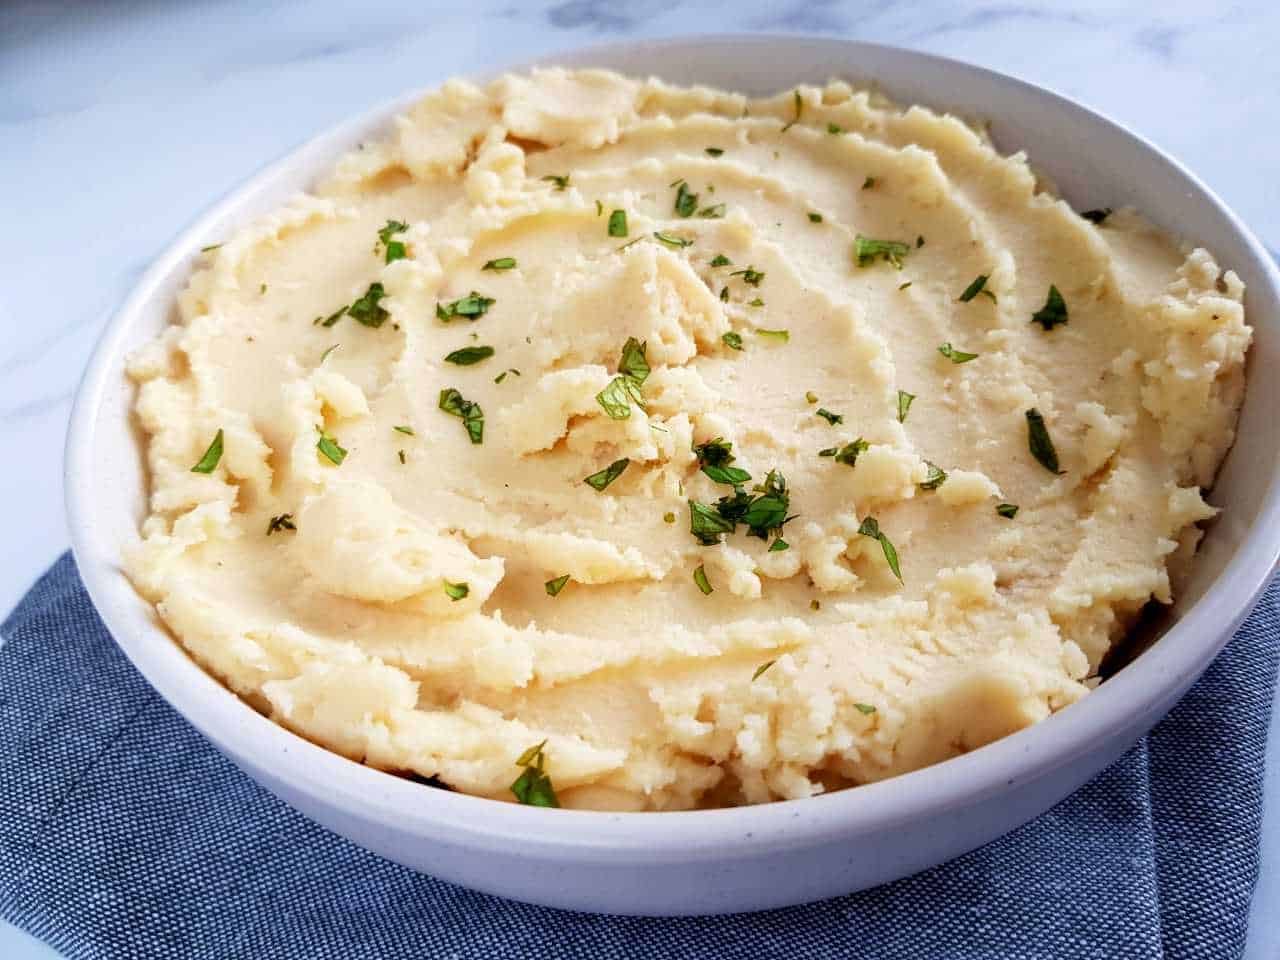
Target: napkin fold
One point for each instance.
(124, 833)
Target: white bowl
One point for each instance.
(716, 861)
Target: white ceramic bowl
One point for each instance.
(716, 861)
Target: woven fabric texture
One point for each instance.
(123, 833)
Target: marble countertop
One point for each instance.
(121, 121)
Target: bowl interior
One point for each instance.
(1094, 163)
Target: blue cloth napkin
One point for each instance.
(123, 833)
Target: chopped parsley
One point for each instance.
(706, 524)
(815, 217)
(471, 306)
(533, 786)
(713, 212)
(210, 247)
(866, 251)
(782, 336)
(870, 528)
(466, 356)
(456, 591)
(633, 370)
(732, 340)
(503, 375)
(761, 669)
(1097, 216)
(847, 454)
(700, 578)
(211, 456)
(672, 241)
(262, 288)
(714, 458)
(757, 302)
(366, 309)
(395, 248)
(864, 708)
(1007, 510)
(720, 260)
(329, 448)
(779, 545)
(767, 512)
(714, 151)
(799, 105)
(334, 317)
(827, 415)
(979, 285)
(1040, 443)
(750, 276)
(936, 477)
(325, 356)
(724, 294)
(601, 479)
(454, 404)
(555, 586)
(1053, 312)
(903, 286)
(919, 242)
(502, 263)
(407, 431)
(868, 183)
(561, 181)
(834, 128)
(904, 404)
(282, 522)
(686, 200)
(618, 223)
(954, 355)
(400, 454)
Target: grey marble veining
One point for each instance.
(121, 121)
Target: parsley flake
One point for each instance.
(868, 183)
(720, 260)
(1053, 312)
(827, 415)
(471, 306)
(395, 248)
(672, 241)
(706, 524)
(633, 370)
(761, 669)
(469, 355)
(1040, 443)
(407, 431)
(904, 404)
(815, 217)
(282, 522)
(618, 223)
(954, 355)
(866, 251)
(502, 263)
(211, 456)
(847, 454)
(1007, 510)
(732, 340)
(714, 151)
(554, 587)
(533, 786)
(700, 578)
(799, 105)
(456, 591)
(601, 479)
(782, 336)
(864, 708)
(334, 317)
(834, 128)
(715, 212)
(454, 404)
(976, 287)
(1097, 216)
(503, 375)
(686, 200)
(324, 356)
(715, 457)
(329, 448)
(561, 181)
(870, 528)
(366, 309)
(750, 276)
(779, 545)
(935, 478)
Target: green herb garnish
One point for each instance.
(1097, 216)
(1040, 443)
(454, 404)
(834, 128)
(815, 217)
(395, 248)
(715, 457)
(686, 200)
(633, 370)
(555, 586)
(1053, 312)
(732, 340)
(700, 578)
(671, 241)
(561, 181)
(827, 415)
(502, 263)
(329, 448)
(847, 454)
(325, 356)
(750, 276)
(782, 336)
(601, 479)
(936, 477)
(466, 356)
(976, 287)
(761, 669)
(282, 522)
(366, 309)
(456, 591)
(706, 524)
(954, 355)
(1007, 510)
(533, 786)
(868, 183)
(870, 528)
(503, 375)
(866, 250)
(407, 431)
(720, 260)
(334, 317)
(799, 105)
(779, 545)
(618, 223)
(212, 246)
(864, 708)
(904, 404)
(713, 212)
(714, 151)
(471, 306)
(211, 456)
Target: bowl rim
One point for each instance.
(1171, 664)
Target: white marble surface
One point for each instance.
(120, 121)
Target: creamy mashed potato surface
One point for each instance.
(459, 424)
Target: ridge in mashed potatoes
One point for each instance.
(572, 276)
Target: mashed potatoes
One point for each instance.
(726, 450)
